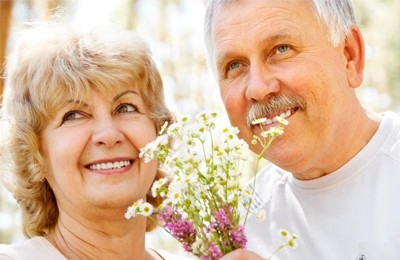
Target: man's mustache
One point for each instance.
(274, 106)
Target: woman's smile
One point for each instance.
(111, 166)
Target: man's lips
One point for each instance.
(272, 119)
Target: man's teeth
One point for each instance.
(109, 165)
(269, 121)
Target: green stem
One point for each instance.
(276, 251)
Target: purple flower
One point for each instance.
(213, 253)
(166, 215)
(182, 229)
(221, 219)
(187, 248)
(179, 228)
(238, 238)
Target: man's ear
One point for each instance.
(354, 52)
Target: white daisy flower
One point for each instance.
(132, 211)
(175, 197)
(281, 120)
(157, 185)
(283, 233)
(146, 209)
(293, 242)
(259, 121)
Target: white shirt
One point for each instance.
(34, 248)
(352, 213)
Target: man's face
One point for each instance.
(275, 50)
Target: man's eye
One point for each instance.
(233, 65)
(72, 115)
(282, 48)
(126, 108)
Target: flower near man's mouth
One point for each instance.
(259, 121)
(267, 136)
(276, 106)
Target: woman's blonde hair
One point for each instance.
(50, 62)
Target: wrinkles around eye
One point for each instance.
(126, 108)
(234, 65)
(281, 49)
(72, 115)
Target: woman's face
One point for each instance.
(91, 152)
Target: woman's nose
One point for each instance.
(107, 133)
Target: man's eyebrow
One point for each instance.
(223, 56)
(278, 36)
(125, 93)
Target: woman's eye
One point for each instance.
(126, 108)
(282, 48)
(72, 115)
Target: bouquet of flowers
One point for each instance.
(204, 207)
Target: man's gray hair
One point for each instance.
(336, 15)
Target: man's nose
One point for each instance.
(261, 83)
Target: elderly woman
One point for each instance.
(80, 107)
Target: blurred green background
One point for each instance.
(174, 30)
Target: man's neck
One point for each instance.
(357, 133)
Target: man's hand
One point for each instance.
(241, 254)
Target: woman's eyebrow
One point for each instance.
(78, 102)
(124, 93)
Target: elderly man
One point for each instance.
(335, 173)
